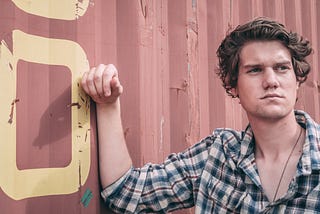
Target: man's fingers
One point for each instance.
(109, 72)
(97, 78)
(116, 86)
(92, 91)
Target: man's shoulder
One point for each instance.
(228, 140)
(227, 134)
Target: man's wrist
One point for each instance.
(114, 106)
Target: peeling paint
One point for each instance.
(86, 137)
(183, 87)
(79, 175)
(143, 6)
(74, 104)
(12, 110)
(193, 26)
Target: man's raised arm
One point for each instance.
(102, 84)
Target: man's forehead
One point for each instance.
(262, 52)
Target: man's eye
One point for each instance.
(282, 68)
(254, 70)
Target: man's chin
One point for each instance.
(273, 114)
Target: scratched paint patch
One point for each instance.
(86, 198)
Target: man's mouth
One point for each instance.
(271, 95)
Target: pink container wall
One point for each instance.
(165, 53)
(168, 69)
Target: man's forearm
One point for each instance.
(114, 157)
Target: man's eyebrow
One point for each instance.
(286, 62)
(251, 65)
(254, 65)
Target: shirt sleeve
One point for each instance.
(160, 188)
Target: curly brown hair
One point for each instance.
(260, 29)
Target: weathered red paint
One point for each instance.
(165, 53)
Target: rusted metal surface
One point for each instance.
(165, 54)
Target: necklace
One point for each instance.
(285, 166)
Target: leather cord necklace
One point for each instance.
(286, 164)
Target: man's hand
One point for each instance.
(102, 84)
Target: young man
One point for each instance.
(272, 166)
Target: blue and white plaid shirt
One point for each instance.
(219, 175)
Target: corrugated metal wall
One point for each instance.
(167, 62)
(165, 53)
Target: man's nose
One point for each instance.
(270, 79)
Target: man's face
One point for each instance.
(267, 86)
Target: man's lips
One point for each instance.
(271, 96)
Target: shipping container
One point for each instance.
(165, 52)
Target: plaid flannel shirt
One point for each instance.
(219, 175)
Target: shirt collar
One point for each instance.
(310, 159)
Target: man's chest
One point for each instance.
(236, 192)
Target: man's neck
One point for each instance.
(274, 138)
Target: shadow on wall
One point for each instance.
(43, 116)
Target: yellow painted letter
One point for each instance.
(20, 184)
(54, 9)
